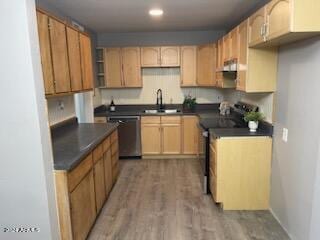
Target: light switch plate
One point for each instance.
(285, 134)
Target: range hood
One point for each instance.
(230, 66)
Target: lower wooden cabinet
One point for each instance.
(169, 135)
(83, 207)
(82, 191)
(99, 183)
(240, 169)
(189, 135)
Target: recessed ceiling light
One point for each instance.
(156, 12)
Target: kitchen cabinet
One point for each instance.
(284, 21)
(59, 52)
(188, 71)
(161, 135)
(82, 191)
(113, 68)
(122, 67)
(166, 56)
(257, 27)
(171, 134)
(257, 68)
(114, 156)
(99, 180)
(151, 135)
(131, 67)
(240, 169)
(170, 56)
(190, 135)
(226, 47)
(150, 57)
(65, 56)
(219, 56)
(45, 52)
(74, 59)
(206, 65)
(83, 208)
(86, 62)
(234, 44)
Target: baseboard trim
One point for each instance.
(278, 220)
(178, 156)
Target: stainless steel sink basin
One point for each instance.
(154, 111)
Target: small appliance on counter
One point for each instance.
(112, 106)
(225, 108)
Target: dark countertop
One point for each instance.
(238, 132)
(71, 143)
(204, 111)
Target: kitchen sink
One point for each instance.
(154, 111)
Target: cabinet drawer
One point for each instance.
(100, 120)
(170, 119)
(75, 176)
(150, 120)
(114, 136)
(97, 153)
(106, 144)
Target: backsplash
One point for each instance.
(57, 114)
(263, 100)
(168, 79)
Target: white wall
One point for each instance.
(26, 179)
(168, 79)
(265, 101)
(58, 114)
(294, 187)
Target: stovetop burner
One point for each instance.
(221, 123)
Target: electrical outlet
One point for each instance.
(61, 105)
(285, 134)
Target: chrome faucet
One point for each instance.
(159, 99)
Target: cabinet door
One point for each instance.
(234, 44)
(108, 171)
(150, 138)
(131, 67)
(206, 66)
(226, 48)
(190, 135)
(188, 66)
(99, 184)
(171, 138)
(243, 55)
(256, 27)
(74, 59)
(150, 57)
(86, 62)
(45, 51)
(59, 52)
(83, 208)
(170, 56)
(220, 57)
(113, 71)
(278, 18)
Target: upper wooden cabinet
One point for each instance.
(65, 56)
(284, 21)
(74, 59)
(59, 52)
(170, 56)
(122, 67)
(131, 67)
(206, 65)
(167, 56)
(150, 57)
(188, 72)
(45, 51)
(219, 56)
(86, 62)
(113, 67)
(226, 47)
(257, 68)
(257, 27)
(234, 44)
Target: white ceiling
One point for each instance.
(132, 15)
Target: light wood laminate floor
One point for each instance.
(163, 200)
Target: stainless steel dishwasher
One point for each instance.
(129, 135)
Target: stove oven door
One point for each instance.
(204, 158)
